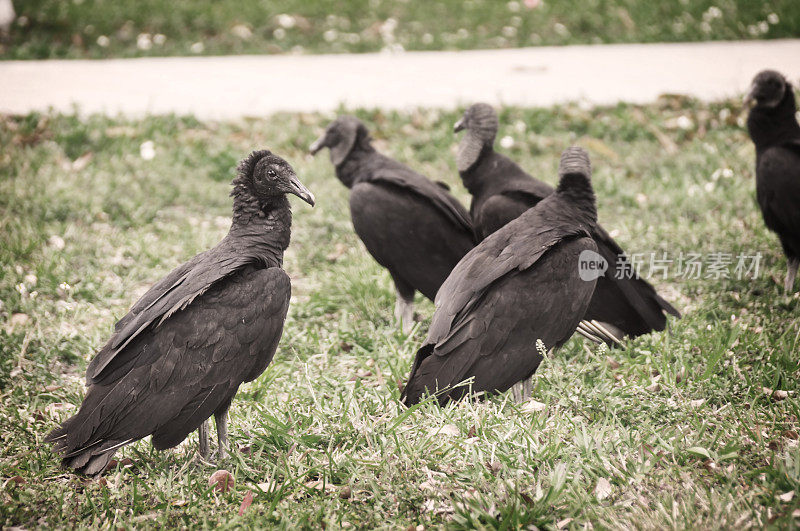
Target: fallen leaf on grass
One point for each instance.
(603, 489)
(448, 429)
(614, 364)
(786, 496)
(532, 406)
(317, 484)
(654, 387)
(221, 480)
(697, 403)
(246, 502)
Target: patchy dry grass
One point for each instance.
(676, 430)
(101, 28)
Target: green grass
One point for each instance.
(103, 28)
(705, 447)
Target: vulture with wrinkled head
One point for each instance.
(623, 303)
(186, 346)
(411, 226)
(772, 124)
(519, 286)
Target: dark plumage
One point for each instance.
(502, 191)
(410, 225)
(182, 351)
(519, 285)
(773, 126)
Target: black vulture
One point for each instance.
(623, 303)
(411, 226)
(519, 286)
(773, 126)
(184, 348)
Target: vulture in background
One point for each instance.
(773, 126)
(519, 286)
(181, 353)
(410, 225)
(502, 191)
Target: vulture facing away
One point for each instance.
(773, 126)
(519, 285)
(502, 191)
(184, 348)
(410, 225)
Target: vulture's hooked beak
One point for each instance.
(459, 126)
(317, 145)
(298, 189)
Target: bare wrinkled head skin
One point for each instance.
(340, 137)
(575, 161)
(481, 125)
(768, 89)
(266, 176)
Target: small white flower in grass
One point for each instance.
(197, 47)
(147, 150)
(462, 33)
(286, 21)
(159, 39)
(507, 142)
(242, 31)
(709, 186)
(516, 21)
(513, 6)
(763, 27)
(561, 29)
(330, 35)
(684, 122)
(56, 242)
(532, 4)
(540, 348)
(427, 38)
(724, 114)
(31, 279)
(279, 33)
(103, 41)
(22, 289)
(509, 31)
(144, 41)
(603, 489)
(773, 18)
(65, 286)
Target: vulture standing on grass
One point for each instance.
(773, 126)
(181, 353)
(411, 226)
(519, 285)
(502, 191)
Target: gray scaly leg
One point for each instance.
(404, 312)
(202, 433)
(527, 389)
(791, 274)
(221, 418)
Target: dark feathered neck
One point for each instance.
(770, 127)
(577, 189)
(357, 165)
(261, 228)
(475, 178)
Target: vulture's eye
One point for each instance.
(271, 174)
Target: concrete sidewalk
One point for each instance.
(230, 87)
